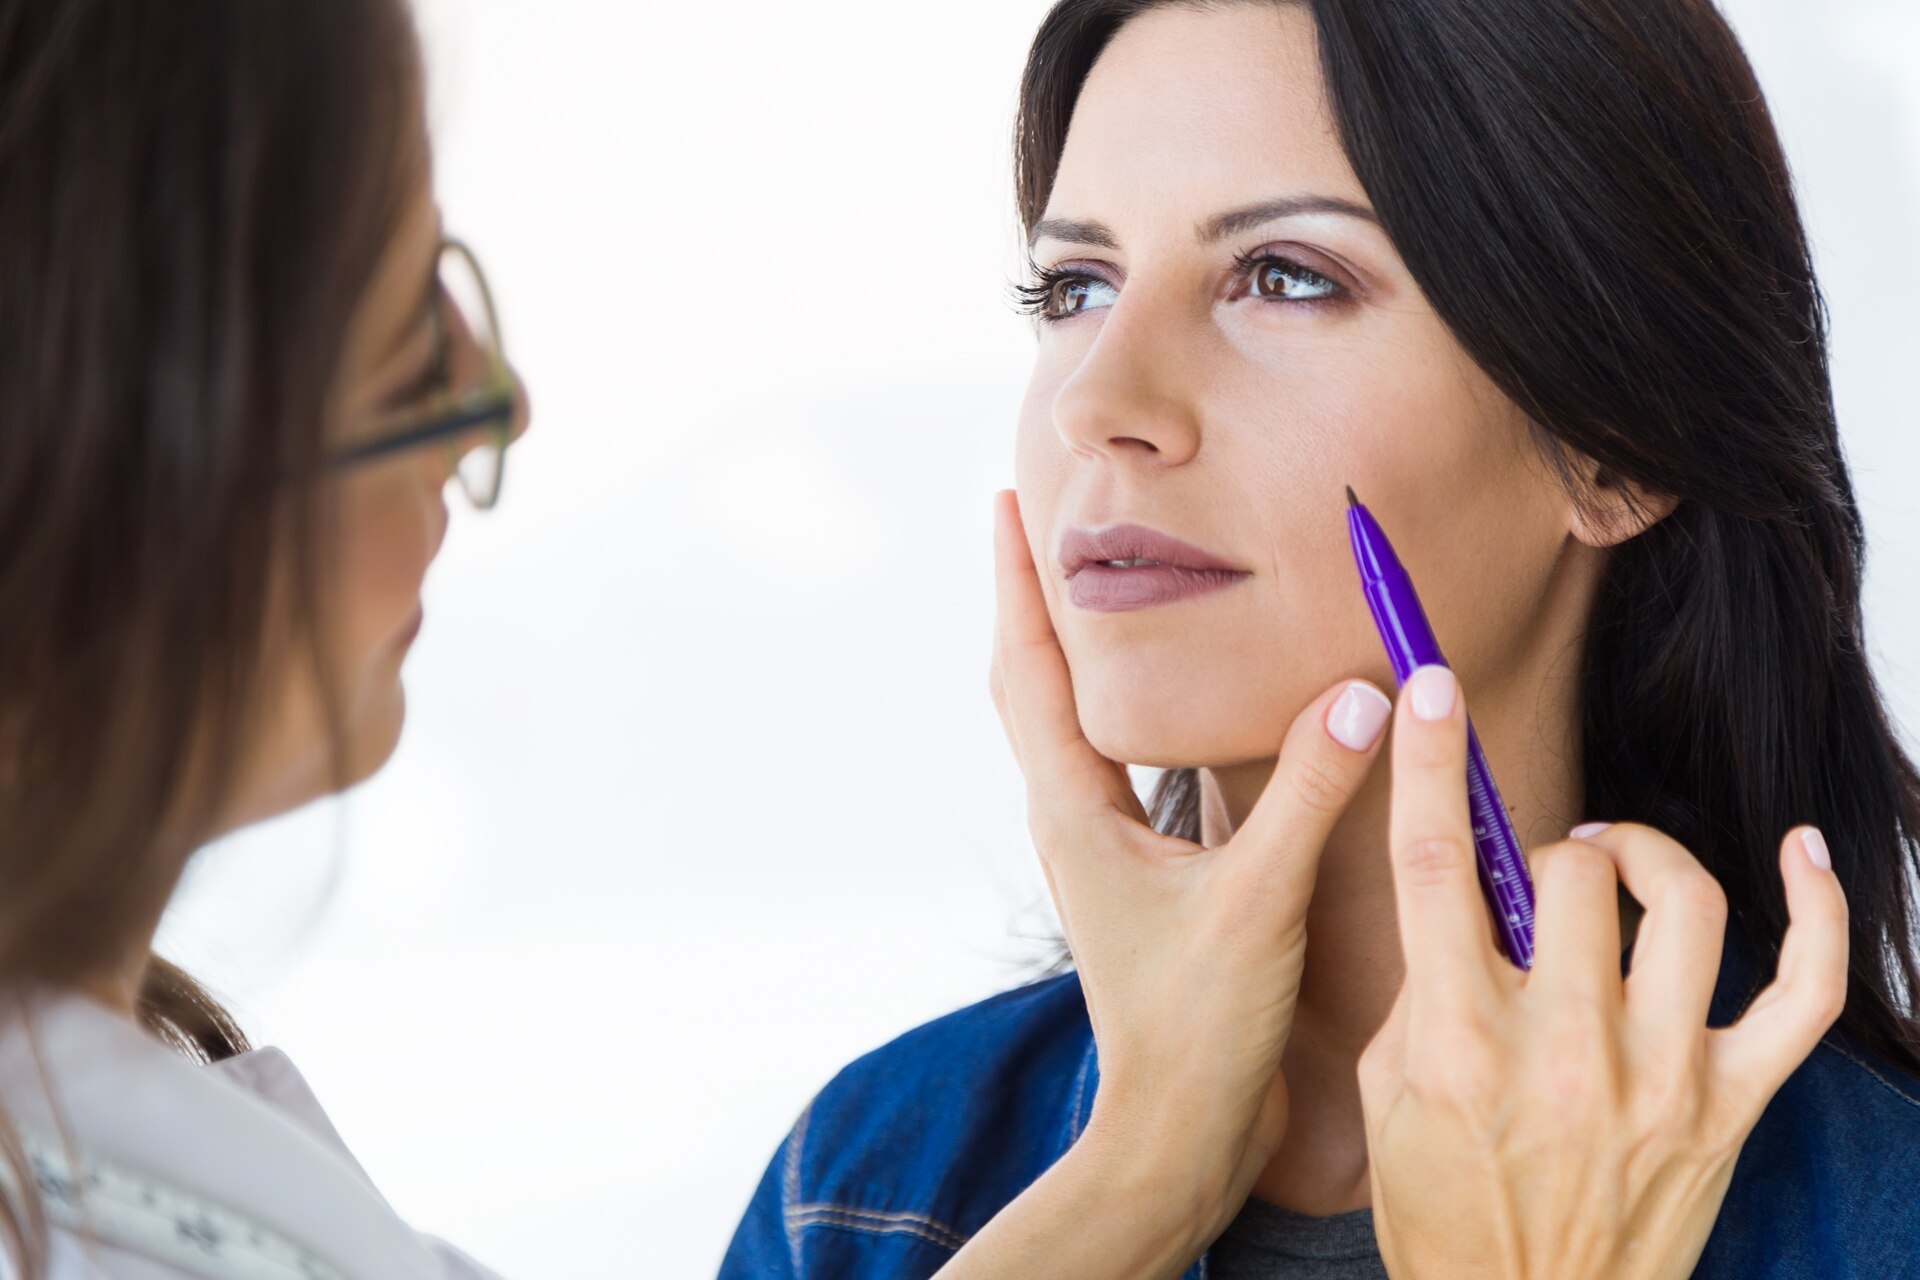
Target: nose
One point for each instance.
(522, 408)
(469, 366)
(1131, 395)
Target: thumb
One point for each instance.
(1328, 752)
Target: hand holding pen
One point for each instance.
(1602, 1117)
(1566, 1122)
(1563, 1121)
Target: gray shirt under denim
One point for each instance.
(1266, 1242)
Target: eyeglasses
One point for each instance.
(474, 416)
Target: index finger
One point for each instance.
(1061, 766)
(1444, 928)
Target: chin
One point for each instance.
(1208, 729)
(373, 736)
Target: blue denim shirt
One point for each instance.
(914, 1147)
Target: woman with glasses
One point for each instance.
(240, 363)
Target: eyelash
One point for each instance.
(1035, 299)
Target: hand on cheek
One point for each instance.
(1176, 945)
(1567, 1122)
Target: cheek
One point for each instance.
(1445, 462)
(1039, 449)
(385, 529)
(1387, 404)
(389, 527)
(1441, 458)
(1042, 467)
(1449, 467)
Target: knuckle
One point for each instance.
(1318, 786)
(1698, 899)
(1576, 869)
(1826, 998)
(1568, 1088)
(1581, 1025)
(1576, 1074)
(1427, 861)
(1575, 1043)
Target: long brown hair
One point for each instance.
(1592, 195)
(193, 198)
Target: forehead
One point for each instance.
(1190, 110)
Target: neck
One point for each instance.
(118, 990)
(1528, 726)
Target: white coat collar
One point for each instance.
(247, 1132)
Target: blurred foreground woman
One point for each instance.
(239, 365)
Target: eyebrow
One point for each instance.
(1219, 227)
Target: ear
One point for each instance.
(1609, 509)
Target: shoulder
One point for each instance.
(1825, 1183)
(988, 1088)
(912, 1148)
(1015, 1034)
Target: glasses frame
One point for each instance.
(449, 415)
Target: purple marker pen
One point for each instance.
(1409, 640)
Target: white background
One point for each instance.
(701, 793)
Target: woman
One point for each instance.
(1531, 279)
(240, 365)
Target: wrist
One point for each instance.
(1099, 1211)
(1167, 1178)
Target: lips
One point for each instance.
(1121, 542)
(1129, 566)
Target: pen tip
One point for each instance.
(1351, 500)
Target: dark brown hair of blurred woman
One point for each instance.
(193, 197)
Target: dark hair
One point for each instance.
(193, 198)
(1592, 196)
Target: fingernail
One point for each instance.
(1358, 715)
(1431, 689)
(1816, 846)
(1586, 829)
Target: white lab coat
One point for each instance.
(246, 1134)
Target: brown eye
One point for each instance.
(1071, 297)
(1060, 294)
(1283, 280)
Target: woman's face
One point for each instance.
(1218, 368)
(390, 516)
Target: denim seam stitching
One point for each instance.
(790, 1184)
(1883, 1082)
(859, 1228)
(1079, 1091)
(1827, 1043)
(837, 1215)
